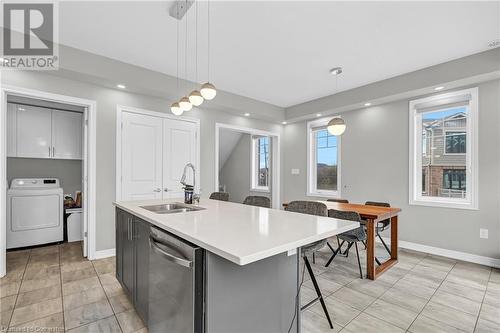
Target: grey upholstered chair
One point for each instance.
(319, 209)
(338, 200)
(221, 196)
(382, 225)
(259, 201)
(351, 237)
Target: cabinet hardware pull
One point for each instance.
(157, 190)
(156, 246)
(49, 151)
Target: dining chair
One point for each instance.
(319, 209)
(352, 237)
(338, 200)
(382, 225)
(221, 196)
(256, 200)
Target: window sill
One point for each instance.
(260, 189)
(333, 195)
(444, 204)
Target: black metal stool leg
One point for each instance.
(314, 258)
(376, 259)
(334, 252)
(318, 291)
(359, 262)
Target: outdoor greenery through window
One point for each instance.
(326, 161)
(261, 163)
(443, 150)
(323, 164)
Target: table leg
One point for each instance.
(370, 249)
(394, 237)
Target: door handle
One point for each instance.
(49, 152)
(53, 151)
(165, 189)
(168, 256)
(157, 190)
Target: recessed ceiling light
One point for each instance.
(336, 71)
(121, 86)
(439, 88)
(318, 114)
(368, 104)
(247, 114)
(283, 122)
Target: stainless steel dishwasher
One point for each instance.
(176, 296)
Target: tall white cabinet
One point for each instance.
(154, 151)
(36, 132)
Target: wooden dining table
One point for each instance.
(372, 215)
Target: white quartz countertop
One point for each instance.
(240, 233)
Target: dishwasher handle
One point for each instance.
(170, 257)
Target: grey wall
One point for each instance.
(69, 172)
(236, 174)
(375, 167)
(107, 100)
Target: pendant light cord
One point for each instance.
(177, 55)
(196, 45)
(208, 29)
(186, 46)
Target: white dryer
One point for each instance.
(34, 212)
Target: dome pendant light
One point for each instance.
(336, 126)
(208, 90)
(176, 109)
(185, 104)
(195, 98)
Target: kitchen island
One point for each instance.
(224, 267)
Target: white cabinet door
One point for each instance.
(141, 157)
(33, 137)
(11, 130)
(179, 148)
(67, 135)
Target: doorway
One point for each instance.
(78, 108)
(247, 162)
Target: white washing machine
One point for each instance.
(34, 212)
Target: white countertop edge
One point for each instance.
(245, 260)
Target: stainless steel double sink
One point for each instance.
(172, 208)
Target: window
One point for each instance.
(443, 157)
(323, 166)
(455, 142)
(260, 165)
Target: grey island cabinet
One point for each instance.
(219, 267)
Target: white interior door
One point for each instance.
(66, 135)
(34, 133)
(179, 148)
(141, 157)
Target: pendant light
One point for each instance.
(195, 96)
(208, 90)
(184, 101)
(336, 126)
(175, 108)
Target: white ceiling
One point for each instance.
(281, 52)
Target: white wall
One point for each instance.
(107, 99)
(375, 167)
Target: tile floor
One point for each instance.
(54, 287)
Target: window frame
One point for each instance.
(311, 190)
(415, 154)
(254, 160)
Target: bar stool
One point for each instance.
(221, 196)
(319, 209)
(259, 201)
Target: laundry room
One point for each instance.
(45, 154)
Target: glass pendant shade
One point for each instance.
(176, 109)
(208, 91)
(336, 126)
(195, 98)
(185, 104)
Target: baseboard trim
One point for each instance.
(104, 254)
(469, 257)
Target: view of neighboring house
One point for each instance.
(444, 145)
